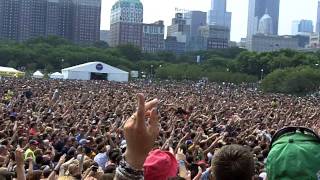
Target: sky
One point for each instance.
(290, 10)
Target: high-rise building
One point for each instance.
(86, 21)
(153, 37)
(75, 20)
(218, 14)
(266, 24)
(257, 9)
(173, 45)
(214, 37)
(195, 19)
(105, 35)
(302, 27)
(32, 19)
(318, 19)
(126, 23)
(60, 18)
(179, 29)
(9, 19)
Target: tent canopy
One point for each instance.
(10, 72)
(56, 75)
(8, 69)
(93, 67)
(95, 71)
(37, 74)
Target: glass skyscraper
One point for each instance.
(302, 27)
(257, 9)
(218, 14)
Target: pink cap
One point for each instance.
(160, 165)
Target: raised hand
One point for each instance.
(19, 156)
(141, 135)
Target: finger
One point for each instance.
(151, 104)
(141, 109)
(154, 119)
(154, 126)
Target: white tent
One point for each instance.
(10, 72)
(8, 69)
(95, 71)
(56, 75)
(38, 75)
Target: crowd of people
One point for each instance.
(155, 131)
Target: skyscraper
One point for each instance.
(60, 18)
(195, 19)
(75, 20)
(9, 19)
(218, 14)
(266, 25)
(257, 9)
(302, 27)
(86, 21)
(32, 19)
(153, 37)
(318, 19)
(126, 23)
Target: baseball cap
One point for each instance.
(83, 141)
(33, 142)
(294, 155)
(160, 165)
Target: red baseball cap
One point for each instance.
(160, 165)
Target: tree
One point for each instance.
(101, 45)
(130, 52)
(299, 80)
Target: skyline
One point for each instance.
(290, 10)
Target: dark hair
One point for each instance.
(115, 156)
(233, 162)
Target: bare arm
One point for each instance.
(20, 165)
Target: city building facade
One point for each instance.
(270, 43)
(153, 37)
(9, 19)
(86, 21)
(173, 45)
(214, 37)
(318, 19)
(126, 23)
(218, 14)
(266, 25)
(75, 20)
(314, 41)
(179, 28)
(195, 19)
(257, 9)
(105, 36)
(302, 27)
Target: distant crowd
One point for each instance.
(155, 131)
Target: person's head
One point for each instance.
(115, 156)
(35, 175)
(3, 150)
(233, 162)
(33, 144)
(101, 148)
(160, 165)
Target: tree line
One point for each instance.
(221, 65)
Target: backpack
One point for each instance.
(294, 155)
